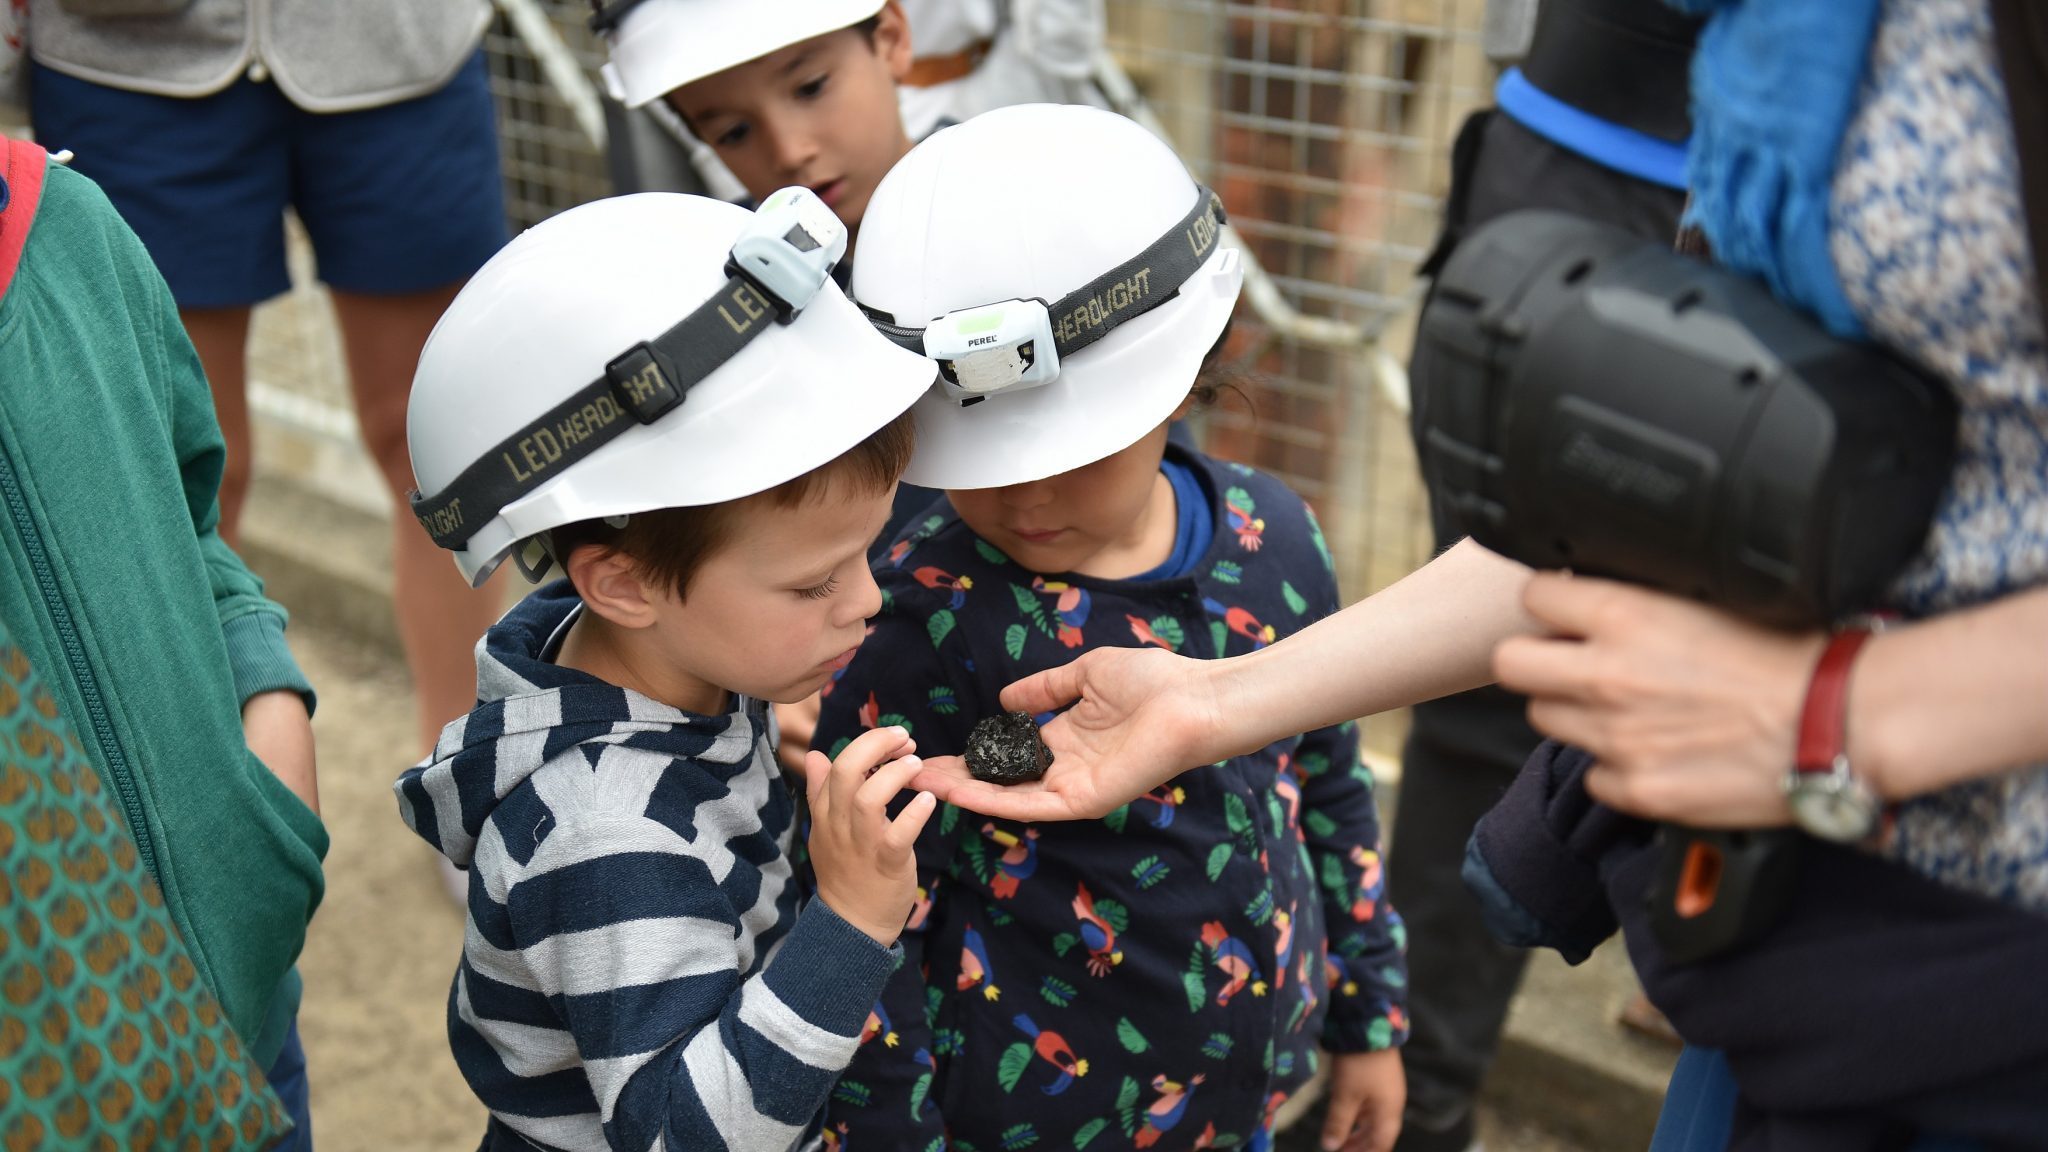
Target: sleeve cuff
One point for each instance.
(1366, 1031)
(830, 972)
(261, 660)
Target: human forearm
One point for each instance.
(280, 734)
(1427, 635)
(1140, 716)
(1951, 699)
(743, 1059)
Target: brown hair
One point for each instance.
(670, 544)
(1215, 378)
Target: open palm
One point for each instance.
(1140, 717)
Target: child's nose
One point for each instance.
(1022, 497)
(864, 598)
(794, 149)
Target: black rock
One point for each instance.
(1007, 749)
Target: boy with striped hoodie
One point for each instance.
(641, 968)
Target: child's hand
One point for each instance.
(1367, 1092)
(865, 868)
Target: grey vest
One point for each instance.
(324, 55)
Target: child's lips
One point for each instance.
(1045, 537)
(831, 192)
(838, 663)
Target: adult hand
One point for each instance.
(1691, 714)
(1143, 716)
(1367, 1092)
(866, 870)
(280, 734)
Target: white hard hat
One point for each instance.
(1063, 268)
(628, 355)
(657, 46)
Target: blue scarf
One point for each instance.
(1774, 83)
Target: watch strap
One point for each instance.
(1823, 720)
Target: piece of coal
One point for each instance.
(1007, 749)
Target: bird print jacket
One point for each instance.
(1162, 976)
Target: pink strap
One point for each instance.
(21, 166)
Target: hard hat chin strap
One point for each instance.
(778, 264)
(1013, 344)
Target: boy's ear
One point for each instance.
(611, 586)
(892, 39)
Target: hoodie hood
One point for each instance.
(530, 711)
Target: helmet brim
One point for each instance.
(662, 46)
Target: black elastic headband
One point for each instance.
(638, 387)
(606, 16)
(1118, 296)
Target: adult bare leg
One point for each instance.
(221, 337)
(439, 615)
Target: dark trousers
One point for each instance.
(288, 1077)
(1461, 755)
(1464, 750)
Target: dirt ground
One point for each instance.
(383, 947)
(382, 950)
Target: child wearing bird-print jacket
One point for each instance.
(1161, 977)
(1168, 970)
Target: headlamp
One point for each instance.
(778, 264)
(789, 249)
(994, 348)
(1012, 345)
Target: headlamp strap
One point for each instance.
(1140, 284)
(607, 16)
(639, 387)
(1123, 293)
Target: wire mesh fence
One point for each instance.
(1326, 126)
(550, 164)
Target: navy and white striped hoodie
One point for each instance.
(636, 973)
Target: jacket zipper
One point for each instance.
(74, 655)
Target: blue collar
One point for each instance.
(1195, 523)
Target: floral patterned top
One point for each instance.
(1157, 977)
(1929, 238)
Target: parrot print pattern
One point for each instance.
(1159, 978)
(1018, 861)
